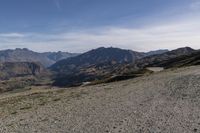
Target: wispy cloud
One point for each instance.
(171, 36)
(57, 3)
(12, 35)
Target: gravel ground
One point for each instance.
(164, 102)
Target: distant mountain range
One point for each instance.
(101, 56)
(26, 55)
(188, 59)
(95, 64)
(97, 56)
(156, 52)
(154, 59)
(164, 60)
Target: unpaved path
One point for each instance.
(165, 102)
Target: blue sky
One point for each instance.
(80, 25)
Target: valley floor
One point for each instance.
(166, 102)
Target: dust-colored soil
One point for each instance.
(165, 102)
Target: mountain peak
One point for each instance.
(22, 49)
(98, 56)
(183, 50)
(186, 48)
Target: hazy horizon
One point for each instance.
(93, 49)
(80, 25)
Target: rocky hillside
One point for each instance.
(95, 64)
(97, 56)
(26, 55)
(184, 60)
(101, 56)
(20, 69)
(90, 67)
(165, 56)
(185, 56)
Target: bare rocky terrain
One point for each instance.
(165, 102)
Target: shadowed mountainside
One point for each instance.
(97, 56)
(184, 60)
(164, 57)
(174, 58)
(19, 75)
(103, 65)
(95, 65)
(20, 69)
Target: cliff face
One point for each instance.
(19, 69)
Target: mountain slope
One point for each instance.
(17, 76)
(97, 56)
(19, 69)
(25, 55)
(184, 60)
(72, 73)
(176, 58)
(150, 60)
(94, 65)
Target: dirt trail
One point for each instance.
(168, 101)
